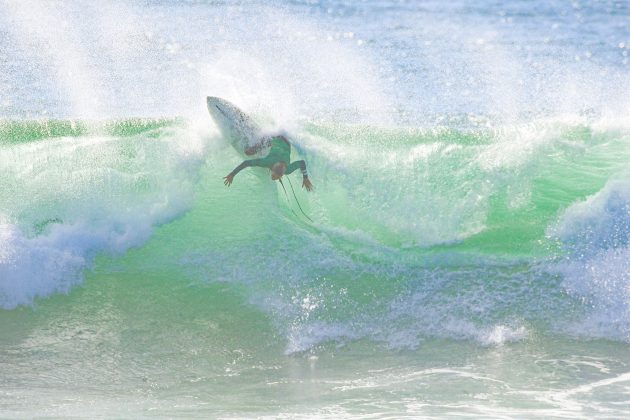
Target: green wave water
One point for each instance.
(385, 197)
(173, 286)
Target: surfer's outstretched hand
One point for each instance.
(307, 184)
(228, 180)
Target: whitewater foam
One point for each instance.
(68, 199)
(596, 235)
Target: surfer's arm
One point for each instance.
(252, 162)
(297, 164)
(306, 183)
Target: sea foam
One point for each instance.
(596, 233)
(68, 199)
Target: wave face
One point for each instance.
(460, 233)
(470, 231)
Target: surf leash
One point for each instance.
(296, 200)
(287, 196)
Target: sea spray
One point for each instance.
(468, 245)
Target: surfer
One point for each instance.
(277, 160)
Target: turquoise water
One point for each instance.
(469, 249)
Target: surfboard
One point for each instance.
(239, 128)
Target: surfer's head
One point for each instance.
(277, 170)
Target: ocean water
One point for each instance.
(469, 254)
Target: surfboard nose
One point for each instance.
(215, 102)
(212, 102)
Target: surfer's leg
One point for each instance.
(262, 143)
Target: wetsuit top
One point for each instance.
(280, 152)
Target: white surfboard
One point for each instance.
(240, 129)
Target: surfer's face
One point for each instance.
(277, 170)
